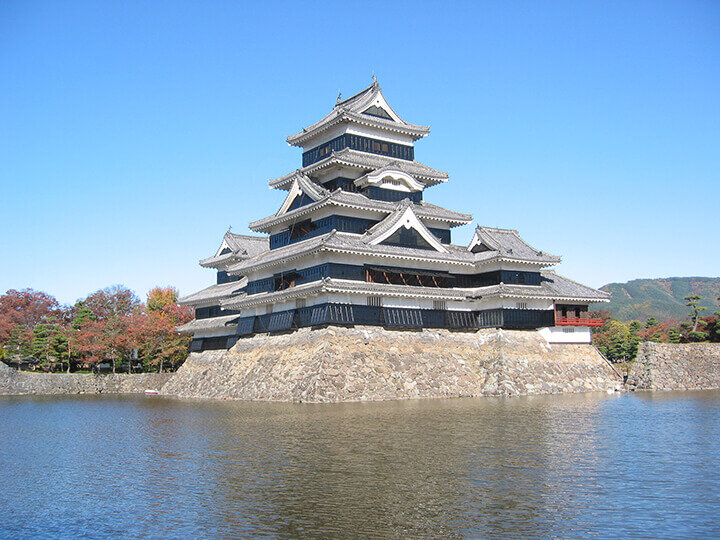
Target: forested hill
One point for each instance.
(660, 298)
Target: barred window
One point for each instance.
(521, 305)
(374, 301)
(300, 303)
(439, 304)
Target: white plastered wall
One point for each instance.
(566, 334)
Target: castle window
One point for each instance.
(298, 230)
(285, 281)
(521, 305)
(440, 304)
(300, 303)
(374, 301)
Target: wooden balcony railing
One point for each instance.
(577, 321)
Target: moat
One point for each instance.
(643, 464)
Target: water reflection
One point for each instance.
(566, 466)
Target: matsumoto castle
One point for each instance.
(356, 243)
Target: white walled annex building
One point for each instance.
(356, 243)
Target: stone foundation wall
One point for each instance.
(372, 363)
(23, 383)
(667, 366)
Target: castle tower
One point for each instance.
(355, 243)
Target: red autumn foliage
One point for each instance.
(24, 308)
(110, 326)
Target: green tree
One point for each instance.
(674, 335)
(693, 302)
(652, 321)
(49, 342)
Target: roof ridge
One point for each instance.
(373, 86)
(497, 229)
(247, 236)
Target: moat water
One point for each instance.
(557, 466)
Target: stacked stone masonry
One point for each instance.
(666, 366)
(23, 383)
(370, 363)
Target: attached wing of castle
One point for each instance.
(355, 243)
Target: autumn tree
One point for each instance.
(163, 346)
(20, 312)
(114, 301)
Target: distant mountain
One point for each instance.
(660, 298)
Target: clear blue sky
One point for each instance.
(133, 133)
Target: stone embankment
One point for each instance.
(23, 383)
(369, 363)
(667, 366)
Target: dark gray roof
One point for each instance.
(351, 110)
(350, 199)
(554, 287)
(241, 246)
(365, 162)
(353, 243)
(214, 293)
(508, 242)
(562, 287)
(212, 323)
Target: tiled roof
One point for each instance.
(351, 110)
(213, 293)
(211, 323)
(554, 287)
(350, 199)
(333, 285)
(353, 243)
(508, 242)
(241, 247)
(562, 287)
(365, 162)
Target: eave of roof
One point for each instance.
(211, 323)
(344, 286)
(347, 243)
(347, 199)
(211, 295)
(366, 162)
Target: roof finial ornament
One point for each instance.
(339, 98)
(374, 78)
